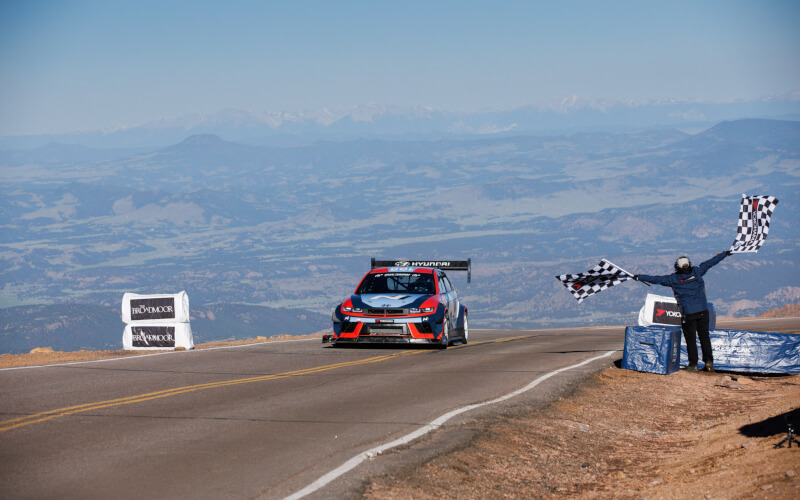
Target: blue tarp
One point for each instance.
(754, 352)
(652, 349)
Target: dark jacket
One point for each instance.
(689, 289)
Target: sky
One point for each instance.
(68, 66)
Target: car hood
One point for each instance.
(389, 300)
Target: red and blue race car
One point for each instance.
(404, 302)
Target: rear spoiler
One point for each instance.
(444, 265)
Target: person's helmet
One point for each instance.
(683, 264)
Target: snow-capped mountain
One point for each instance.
(564, 115)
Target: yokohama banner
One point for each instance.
(172, 308)
(660, 310)
(157, 337)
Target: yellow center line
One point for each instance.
(72, 410)
(8, 425)
(495, 341)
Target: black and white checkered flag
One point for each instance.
(754, 216)
(602, 276)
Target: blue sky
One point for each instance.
(85, 65)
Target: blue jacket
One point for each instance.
(689, 289)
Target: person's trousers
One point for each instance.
(694, 325)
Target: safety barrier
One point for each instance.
(156, 308)
(658, 349)
(752, 352)
(156, 322)
(652, 349)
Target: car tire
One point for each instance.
(465, 333)
(445, 335)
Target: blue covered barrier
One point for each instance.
(652, 349)
(755, 352)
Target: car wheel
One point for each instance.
(445, 335)
(466, 329)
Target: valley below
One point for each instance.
(269, 239)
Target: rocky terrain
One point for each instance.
(626, 434)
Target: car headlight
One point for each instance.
(424, 310)
(351, 309)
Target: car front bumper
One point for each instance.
(382, 330)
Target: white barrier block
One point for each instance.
(659, 310)
(155, 308)
(157, 337)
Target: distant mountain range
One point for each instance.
(270, 234)
(567, 115)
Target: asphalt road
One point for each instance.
(266, 420)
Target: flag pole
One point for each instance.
(624, 271)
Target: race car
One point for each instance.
(404, 302)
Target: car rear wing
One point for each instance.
(444, 265)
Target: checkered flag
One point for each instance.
(602, 276)
(754, 216)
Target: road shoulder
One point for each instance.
(624, 433)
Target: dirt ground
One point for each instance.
(627, 434)
(623, 434)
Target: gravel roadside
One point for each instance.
(626, 434)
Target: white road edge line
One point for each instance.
(434, 424)
(155, 354)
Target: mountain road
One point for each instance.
(269, 420)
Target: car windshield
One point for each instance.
(397, 282)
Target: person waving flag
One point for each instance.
(690, 291)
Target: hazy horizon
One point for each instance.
(87, 65)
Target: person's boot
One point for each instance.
(709, 367)
(691, 367)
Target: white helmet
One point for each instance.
(682, 263)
